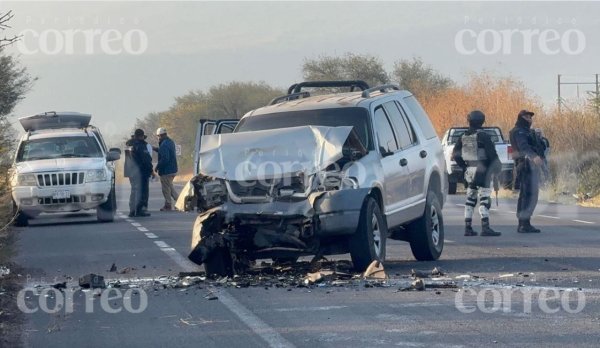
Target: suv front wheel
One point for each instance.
(427, 233)
(368, 242)
(106, 211)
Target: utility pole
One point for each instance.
(595, 93)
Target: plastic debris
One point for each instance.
(92, 281)
(113, 268)
(375, 271)
(418, 284)
(4, 271)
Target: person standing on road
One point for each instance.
(138, 167)
(528, 164)
(166, 167)
(476, 154)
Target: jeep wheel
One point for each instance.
(106, 211)
(427, 233)
(368, 242)
(21, 219)
(219, 263)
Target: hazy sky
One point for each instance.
(122, 60)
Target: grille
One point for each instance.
(50, 200)
(262, 188)
(60, 179)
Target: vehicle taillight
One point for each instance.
(509, 151)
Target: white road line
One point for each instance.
(161, 244)
(259, 327)
(584, 222)
(267, 333)
(143, 229)
(151, 235)
(136, 224)
(129, 220)
(449, 241)
(549, 217)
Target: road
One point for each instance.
(564, 256)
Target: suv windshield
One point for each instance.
(49, 148)
(355, 117)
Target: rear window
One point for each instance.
(421, 116)
(335, 117)
(50, 148)
(455, 134)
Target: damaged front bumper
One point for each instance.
(279, 228)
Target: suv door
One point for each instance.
(209, 127)
(395, 170)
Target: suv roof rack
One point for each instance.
(287, 97)
(367, 92)
(353, 84)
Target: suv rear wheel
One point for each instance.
(427, 233)
(368, 242)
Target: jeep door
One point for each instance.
(393, 162)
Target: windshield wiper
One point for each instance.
(71, 155)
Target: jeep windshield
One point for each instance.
(51, 148)
(355, 117)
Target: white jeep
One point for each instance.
(62, 165)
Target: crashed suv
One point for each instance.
(322, 175)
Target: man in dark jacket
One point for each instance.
(138, 168)
(166, 167)
(528, 164)
(475, 153)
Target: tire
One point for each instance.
(106, 211)
(21, 219)
(427, 233)
(368, 243)
(452, 188)
(219, 263)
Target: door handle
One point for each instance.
(423, 153)
(403, 162)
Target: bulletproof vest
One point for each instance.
(471, 152)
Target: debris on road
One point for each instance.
(126, 270)
(375, 271)
(60, 286)
(113, 268)
(92, 281)
(418, 284)
(4, 271)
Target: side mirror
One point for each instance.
(384, 152)
(113, 156)
(115, 149)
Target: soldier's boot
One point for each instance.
(526, 227)
(486, 230)
(469, 232)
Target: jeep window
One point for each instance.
(385, 134)
(421, 116)
(404, 137)
(334, 117)
(67, 147)
(408, 123)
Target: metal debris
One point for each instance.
(113, 268)
(418, 284)
(92, 281)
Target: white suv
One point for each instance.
(62, 165)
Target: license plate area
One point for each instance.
(61, 194)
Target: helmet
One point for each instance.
(161, 131)
(476, 118)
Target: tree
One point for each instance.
(347, 67)
(422, 80)
(234, 99)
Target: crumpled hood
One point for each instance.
(59, 164)
(273, 153)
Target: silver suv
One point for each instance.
(321, 175)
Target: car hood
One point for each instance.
(273, 153)
(59, 164)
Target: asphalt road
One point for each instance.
(565, 257)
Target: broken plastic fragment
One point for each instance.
(375, 271)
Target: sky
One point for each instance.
(122, 60)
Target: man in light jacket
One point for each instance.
(166, 167)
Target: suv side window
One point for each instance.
(421, 116)
(409, 124)
(404, 137)
(385, 133)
